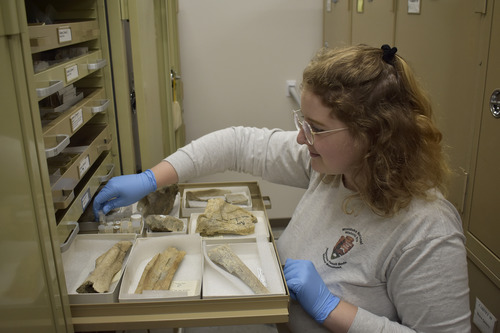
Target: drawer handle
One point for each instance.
(97, 65)
(52, 88)
(103, 106)
(67, 243)
(267, 202)
(62, 198)
(103, 179)
(63, 142)
(105, 146)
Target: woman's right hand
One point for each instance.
(123, 191)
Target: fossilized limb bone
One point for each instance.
(160, 270)
(106, 266)
(221, 217)
(227, 259)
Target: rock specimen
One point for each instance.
(224, 256)
(160, 270)
(159, 202)
(221, 217)
(164, 223)
(106, 266)
(204, 195)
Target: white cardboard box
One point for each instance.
(258, 256)
(261, 228)
(187, 278)
(79, 262)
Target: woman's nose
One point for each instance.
(301, 138)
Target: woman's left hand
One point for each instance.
(307, 287)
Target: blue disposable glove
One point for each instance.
(307, 287)
(123, 191)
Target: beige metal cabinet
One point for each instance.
(143, 37)
(453, 49)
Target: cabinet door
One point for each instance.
(484, 226)
(373, 22)
(337, 17)
(30, 298)
(151, 79)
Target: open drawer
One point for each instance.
(205, 311)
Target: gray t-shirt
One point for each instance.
(407, 273)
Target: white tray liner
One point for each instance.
(258, 256)
(189, 270)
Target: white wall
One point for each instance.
(236, 57)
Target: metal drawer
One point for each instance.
(51, 36)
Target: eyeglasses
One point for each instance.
(300, 123)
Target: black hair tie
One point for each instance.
(389, 52)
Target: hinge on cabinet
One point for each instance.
(480, 6)
(9, 20)
(124, 9)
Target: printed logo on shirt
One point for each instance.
(335, 258)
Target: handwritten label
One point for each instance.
(85, 199)
(76, 120)
(185, 286)
(64, 34)
(84, 166)
(71, 73)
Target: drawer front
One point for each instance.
(78, 115)
(51, 36)
(89, 188)
(71, 166)
(56, 77)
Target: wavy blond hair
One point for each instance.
(387, 112)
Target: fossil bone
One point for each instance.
(224, 256)
(160, 270)
(106, 266)
(221, 217)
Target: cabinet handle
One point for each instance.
(52, 88)
(75, 229)
(495, 103)
(103, 106)
(267, 201)
(62, 198)
(97, 65)
(103, 179)
(62, 142)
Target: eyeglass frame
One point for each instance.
(301, 123)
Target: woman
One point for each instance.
(372, 246)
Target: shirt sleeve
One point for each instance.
(273, 155)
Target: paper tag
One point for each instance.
(185, 286)
(76, 120)
(84, 166)
(86, 199)
(64, 34)
(71, 73)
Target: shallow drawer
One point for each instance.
(85, 190)
(67, 168)
(58, 76)
(221, 310)
(69, 121)
(50, 36)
